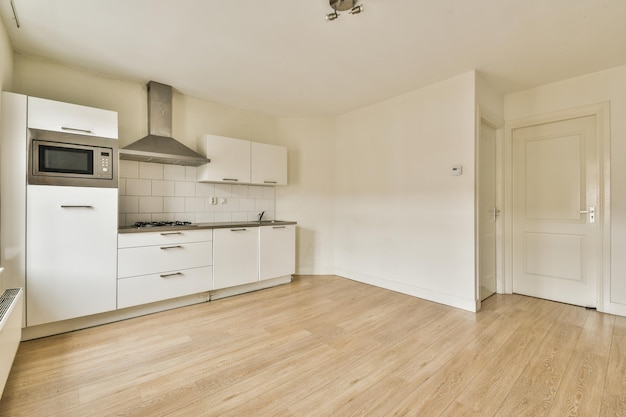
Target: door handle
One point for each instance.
(591, 212)
(495, 213)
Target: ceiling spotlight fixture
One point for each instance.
(332, 16)
(356, 9)
(343, 5)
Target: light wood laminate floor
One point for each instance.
(328, 346)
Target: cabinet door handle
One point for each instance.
(74, 129)
(278, 227)
(171, 275)
(270, 182)
(230, 179)
(170, 233)
(74, 206)
(238, 230)
(171, 247)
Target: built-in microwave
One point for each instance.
(57, 158)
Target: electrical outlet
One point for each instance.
(213, 201)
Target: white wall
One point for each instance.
(609, 85)
(309, 196)
(191, 117)
(6, 59)
(6, 80)
(402, 221)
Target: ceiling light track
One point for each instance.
(350, 6)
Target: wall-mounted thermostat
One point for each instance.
(457, 170)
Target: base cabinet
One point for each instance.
(236, 256)
(277, 251)
(157, 266)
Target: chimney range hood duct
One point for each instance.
(159, 146)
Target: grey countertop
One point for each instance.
(197, 226)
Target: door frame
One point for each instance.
(601, 112)
(496, 122)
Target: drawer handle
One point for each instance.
(171, 247)
(170, 233)
(238, 230)
(230, 179)
(74, 129)
(74, 206)
(279, 227)
(171, 275)
(270, 182)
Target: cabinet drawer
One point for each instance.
(163, 258)
(71, 118)
(156, 287)
(129, 240)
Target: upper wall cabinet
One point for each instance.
(241, 161)
(269, 164)
(230, 159)
(71, 118)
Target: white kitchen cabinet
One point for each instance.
(235, 256)
(156, 266)
(268, 164)
(230, 159)
(71, 118)
(71, 247)
(277, 251)
(163, 237)
(151, 288)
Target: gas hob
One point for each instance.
(144, 225)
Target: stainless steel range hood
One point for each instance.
(159, 146)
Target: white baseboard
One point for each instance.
(430, 295)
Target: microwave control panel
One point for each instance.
(103, 160)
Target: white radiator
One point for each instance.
(10, 330)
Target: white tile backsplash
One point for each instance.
(191, 173)
(194, 204)
(185, 189)
(150, 205)
(173, 204)
(129, 204)
(138, 187)
(150, 171)
(223, 190)
(157, 192)
(163, 188)
(174, 172)
(255, 191)
(129, 169)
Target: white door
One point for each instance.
(556, 233)
(487, 210)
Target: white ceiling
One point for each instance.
(281, 57)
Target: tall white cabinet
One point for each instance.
(71, 252)
(65, 257)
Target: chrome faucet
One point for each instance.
(261, 216)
